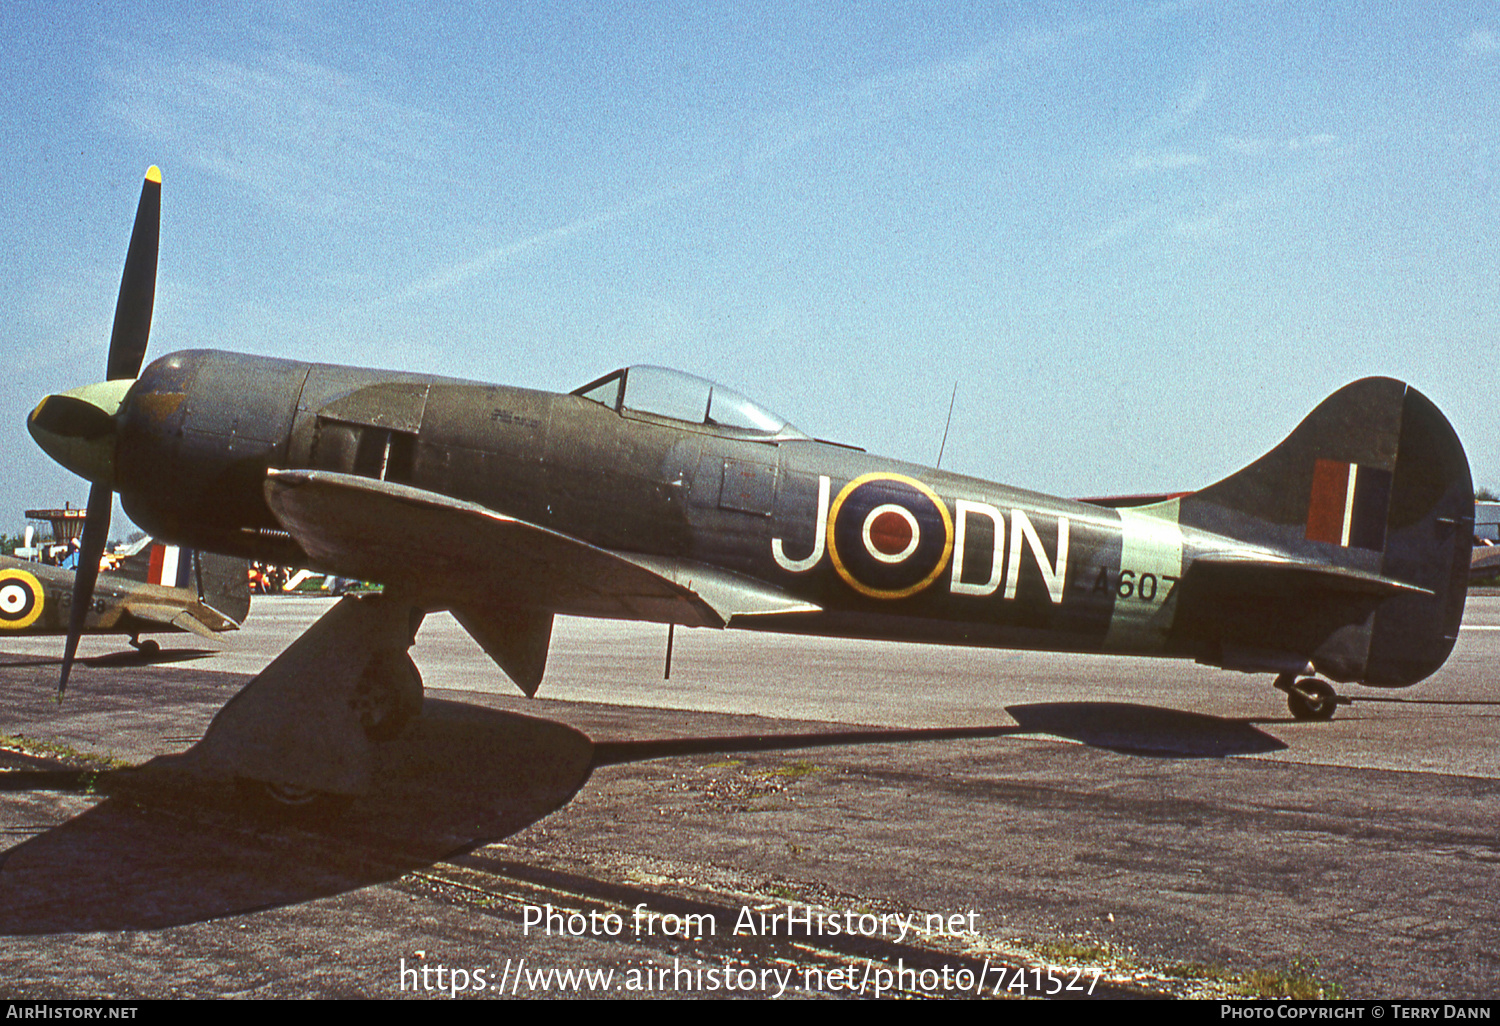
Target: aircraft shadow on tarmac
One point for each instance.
(1118, 727)
(124, 657)
(1145, 730)
(169, 846)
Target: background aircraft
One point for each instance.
(157, 589)
(653, 495)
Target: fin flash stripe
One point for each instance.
(1348, 505)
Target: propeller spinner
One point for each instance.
(78, 428)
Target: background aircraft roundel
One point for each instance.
(21, 599)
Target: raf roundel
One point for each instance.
(889, 535)
(20, 599)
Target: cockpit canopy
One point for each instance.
(663, 392)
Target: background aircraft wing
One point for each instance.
(178, 618)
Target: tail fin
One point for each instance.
(224, 583)
(155, 562)
(1371, 504)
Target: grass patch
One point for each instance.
(60, 752)
(1300, 980)
(1194, 971)
(1083, 950)
(800, 768)
(640, 876)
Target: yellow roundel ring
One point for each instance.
(886, 564)
(21, 598)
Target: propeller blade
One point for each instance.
(70, 419)
(91, 550)
(127, 344)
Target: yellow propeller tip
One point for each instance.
(153, 174)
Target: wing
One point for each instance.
(193, 617)
(167, 617)
(502, 578)
(448, 548)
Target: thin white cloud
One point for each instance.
(863, 102)
(1247, 147)
(446, 278)
(1121, 230)
(1191, 102)
(303, 136)
(1178, 114)
(1161, 160)
(1264, 146)
(1154, 153)
(1224, 203)
(880, 98)
(1481, 41)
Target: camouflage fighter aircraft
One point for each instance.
(648, 494)
(160, 589)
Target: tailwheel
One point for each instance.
(149, 647)
(1308, 698)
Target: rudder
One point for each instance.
(224, 583)
(1431, 533)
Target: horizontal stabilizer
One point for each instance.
(1358, 526)
(188, 622)
(1270, 575)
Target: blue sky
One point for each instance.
(1144, 240)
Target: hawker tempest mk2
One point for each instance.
(653, 495)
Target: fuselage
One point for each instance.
(884, 548)
(38, 599)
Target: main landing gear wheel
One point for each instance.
(389, 695)
(291, 802)
(1308, 698)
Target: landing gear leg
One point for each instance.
(1308, 698)
(310, 721)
